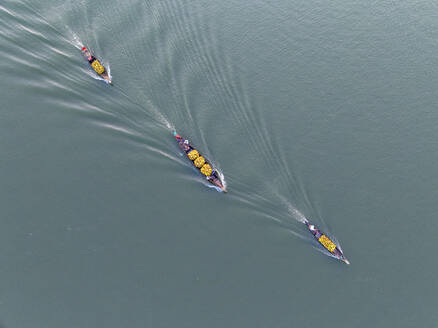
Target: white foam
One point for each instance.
(297, 215)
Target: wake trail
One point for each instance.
(239, 107)
(68, 36)
(156, 115)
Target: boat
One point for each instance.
(199, 162)
(326, 242)
(96, 65)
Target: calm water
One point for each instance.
(322, 109)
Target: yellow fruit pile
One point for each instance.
(199, 162)
(206, 170)
(97, 67)
(327, 243)
(193, 154)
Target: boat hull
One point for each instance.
(105, 75)
(187, 147)
(323, 240)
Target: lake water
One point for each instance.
(318, 109)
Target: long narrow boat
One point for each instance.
(326, 242)
(96, 65)
(200, 162)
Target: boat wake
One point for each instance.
(75, 41)
(296, 214)
(206, 69)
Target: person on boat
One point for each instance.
(186, 146)
(91, 59)
(315, 231)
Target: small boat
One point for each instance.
(326, 242)
(96, 65)
(200, 162)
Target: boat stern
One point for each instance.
(177, 136)
(85, 51)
